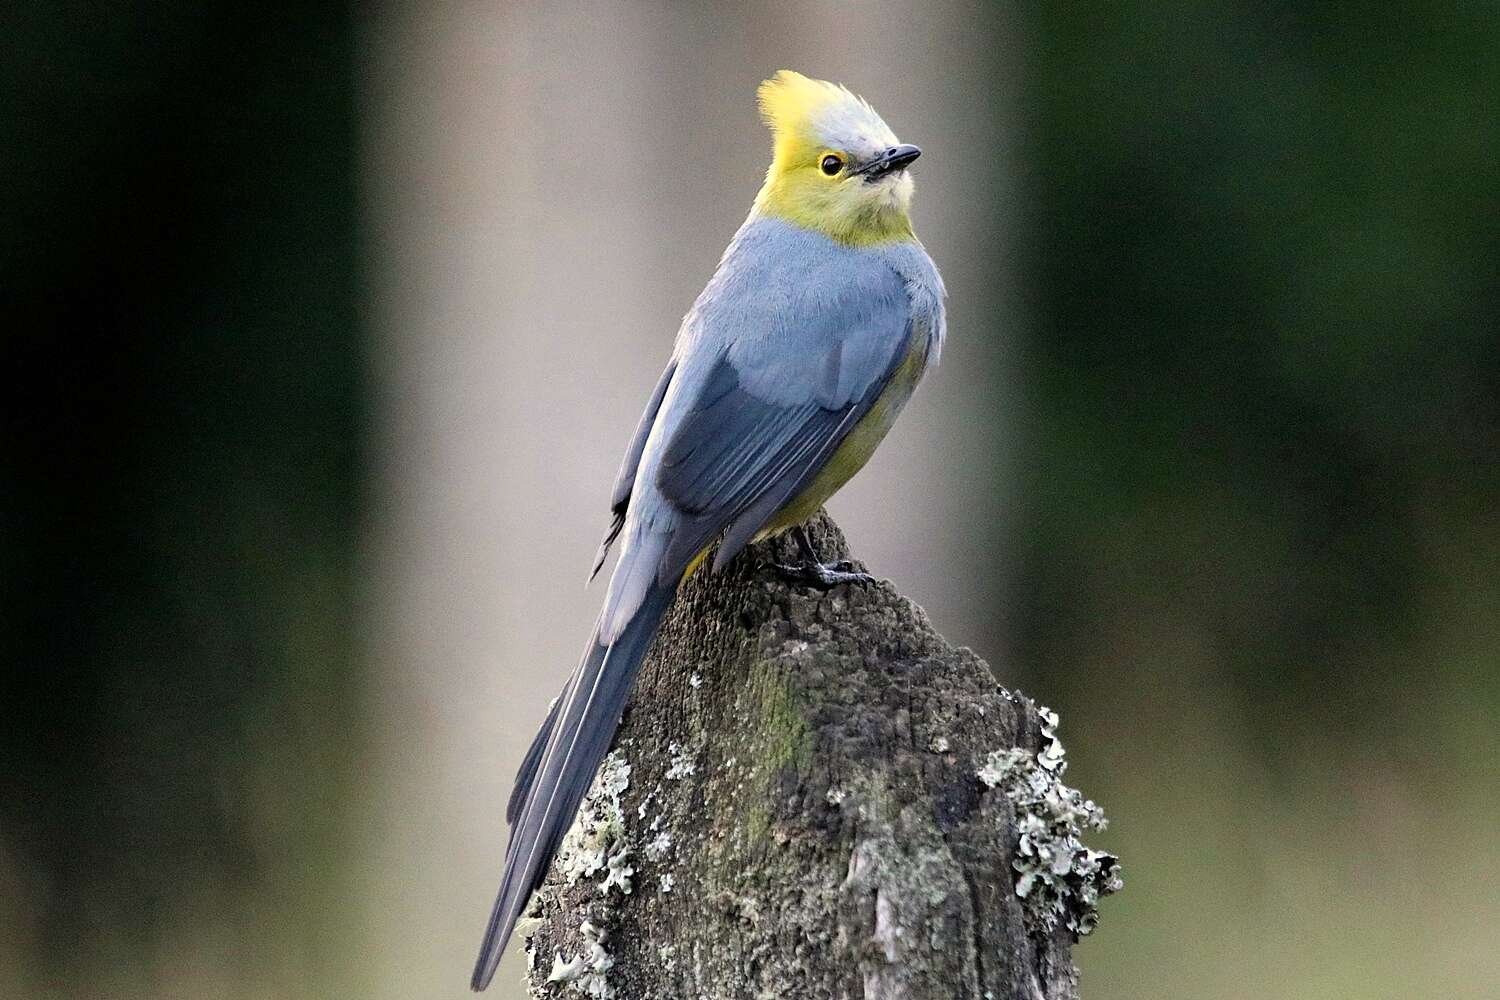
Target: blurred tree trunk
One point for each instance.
(814, 795)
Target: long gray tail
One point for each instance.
(560, 766)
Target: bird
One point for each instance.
(788, 370)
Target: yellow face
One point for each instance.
(837, 167)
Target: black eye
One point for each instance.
(832, 164)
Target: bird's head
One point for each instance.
(836, 166)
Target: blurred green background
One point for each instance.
(324, 329)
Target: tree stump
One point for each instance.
(812, 795)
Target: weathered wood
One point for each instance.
(812, 795)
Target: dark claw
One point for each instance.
(823, 576)
(819, 574)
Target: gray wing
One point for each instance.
(749, 444)
(526, 773)
(619, 500)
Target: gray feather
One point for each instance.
(619, 500)
(526, 773)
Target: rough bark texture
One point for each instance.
(812, 795)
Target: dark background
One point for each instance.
(1253, 548)
(182, 399)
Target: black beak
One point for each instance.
(895, 158)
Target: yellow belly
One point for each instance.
(856, 449)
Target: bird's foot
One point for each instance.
(824, 576)
(812, 570)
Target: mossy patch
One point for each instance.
(780, 739)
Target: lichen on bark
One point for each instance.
(808, 813)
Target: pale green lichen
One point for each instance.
(596, 840)
(587, 972)
(1058, 878)
(682, 763)
(999, 765)
(658, 847)
(619, 874)
(566, 971)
